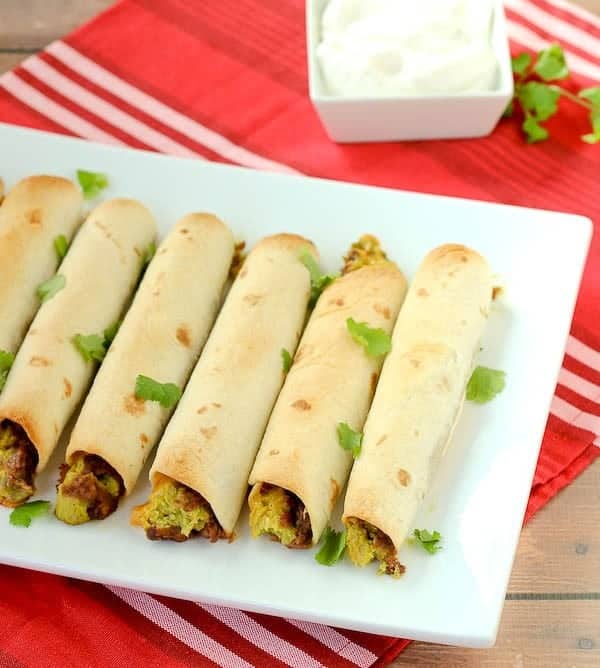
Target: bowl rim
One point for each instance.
(500, 42)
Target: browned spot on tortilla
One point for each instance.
(183, 336)
(301, 405)
(373, 382)
(39, 361)
(144, 440)
(253, 299)
(337, 302)
(68, 388)
(216, 404)
(383, 310)
(404, 477)
(421, 292)
(134, 406)
(104, 229)
(496, 291)
(464, 258)
(415, 363)
(334, 491)
(208, 432)
(243, 273)
(201, 410)
(183, 230)
(273, 452)
(34, 217)
(381, 440)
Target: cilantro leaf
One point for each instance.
(534, 131)
(61, 246)
(49, 288)
(318, 281)
(333, 544)
(551, 64)
(428, 541)
(594, 136)
(538, 99)
(111, 332)
(92, 183)
(349, 439)
(485, 384)
(286, 360)
(376, 342)
(521, 63)
(166, 394)
(91, 346)
(6, 361)
(591, 94)
(22, 516)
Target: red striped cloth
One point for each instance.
(226, 81)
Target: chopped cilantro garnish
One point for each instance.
(286, 360)
(349, 439)
(485, 384)
(428, 541)
(49, 288)
(166, 394)
(92, 183)
(91, 346)
(61, 246)
(22, 516)
(6, 361)
(375, 341)
(110, 333)
(333, 544)
(318, 281)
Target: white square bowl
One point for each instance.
(403, 117)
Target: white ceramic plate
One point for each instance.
(478, 499)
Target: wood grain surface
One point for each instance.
(552, 615)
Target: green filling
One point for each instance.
(172, 505)
(73, 509)
(366, 251)
(13, 491)
(266, 512)
(366, 543)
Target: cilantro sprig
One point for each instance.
(22, 516)
(375, 341)
(318, 281)
(485, 384)
(6, 361)
(148, 389)
(49, 288)
(286, 360)
(93, 347)
(92, 183)
(537, 93)
(428, 541)
(61, 246)
(349, 439)
(333, 545)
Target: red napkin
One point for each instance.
(226, 81)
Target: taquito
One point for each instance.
(50, 376)
(161, 338)
(301, 468)
(34, 213)
(417, 402)
(200, 474)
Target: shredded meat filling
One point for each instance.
(19, 464)
(294, 516)
(86, 487)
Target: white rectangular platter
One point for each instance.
(479, 496)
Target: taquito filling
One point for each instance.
(88, 489)
(366, 251)
(366, 543)
(18, 461)
(176, 512)
(281, 515)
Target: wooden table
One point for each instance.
(552, 614)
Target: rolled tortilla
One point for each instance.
(35, 211)
(301, 468)
(50, 377)
(418, 399)
(200, 474)
(161, 337)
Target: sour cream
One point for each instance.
(382, 48)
